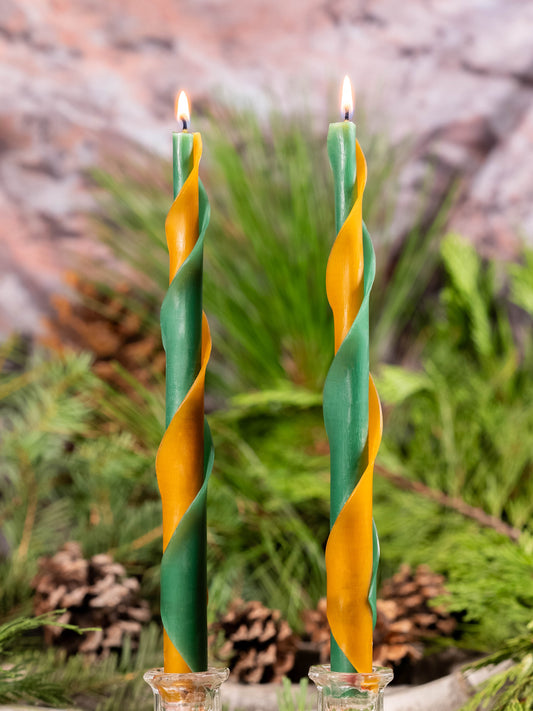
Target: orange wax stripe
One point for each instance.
(345, 270)
(349, 557)
(179, 461)
(349, 551)
(181, 477)
(174, 662)
(181, 225)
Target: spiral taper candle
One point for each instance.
(185, 456)
(352, 415)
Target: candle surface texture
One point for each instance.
(352, 415)
(185, 456)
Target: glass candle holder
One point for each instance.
(197, 691)
(339, 691)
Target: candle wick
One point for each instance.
(184, 124)
(346, 115)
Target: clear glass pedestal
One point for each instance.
(197, 691)
(339, 691)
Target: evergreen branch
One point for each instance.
(18, 382)
(139, 542)
(17, 685)
(272, 400)
(12, 630)
(29, 519)
(511, 688)
(451, 502)
(25, 680)
(515, 648)
(288, 701)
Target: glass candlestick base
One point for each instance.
(339, 691)
(197, 691)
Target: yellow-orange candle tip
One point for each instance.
(347, 98)
(181, 108)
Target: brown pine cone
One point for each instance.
(256, 644)
(94, 593)
(103, 322)
(405, 617)
(317, 628)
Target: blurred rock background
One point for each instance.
(453, 79)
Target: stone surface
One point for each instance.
(453, 78)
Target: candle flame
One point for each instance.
(182, 109)
(347, 98)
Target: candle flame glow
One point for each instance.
(347, 98)
(182, 109)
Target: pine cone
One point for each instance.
(104, 323)
(317, 628)
(405, 618)
(258, 646)
(94, 593)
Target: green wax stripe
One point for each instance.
(181, 312)
(368, 249)
(342, 155)
(181, 319)
(346, 417)
(182, 159)
(183, 576)
(341, 152)
(183, 566)
(373, 589)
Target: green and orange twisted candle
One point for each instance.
(352, 412)
(185, 456)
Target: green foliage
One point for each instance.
(460, 425)
(287, 701)
(468, 296)
(18, 680)
(68, 479)
(488, 577)
(268, 511)
(40, 410)
(512, 688)
(33, 676)
(522, 282)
